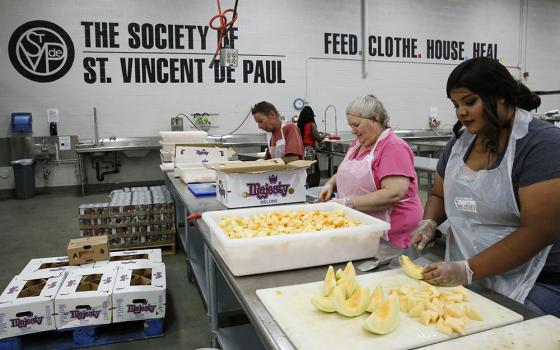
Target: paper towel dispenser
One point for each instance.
(21, 122)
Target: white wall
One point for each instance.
(293, 30)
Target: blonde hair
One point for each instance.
(367, 107)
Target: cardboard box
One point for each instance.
(131, 258)
(87, 249)
(258, 183)
(139, 292)
(199, 154)
(54, 264)
(27, 304)
(85, 297)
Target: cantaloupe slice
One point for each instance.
(353, 306)
(377, 298)
(385, 319)
(330, 282)
(325, 304)
(410, 268)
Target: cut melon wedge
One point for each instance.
(385, 319)
(353, 306)
(330, 282)
(410, 268)
(377, 298)
(325, 304)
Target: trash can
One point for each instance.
(24, 176)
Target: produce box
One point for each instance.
(202, 153)
(139, 292)
(54, 264)
(27, 304)
(258, 183)
(85, 297)
(87, 249)
(246, 256)
(131, 257)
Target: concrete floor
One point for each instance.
(43, 225)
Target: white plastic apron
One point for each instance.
(356, 177)
(278, 150)
(481, 210)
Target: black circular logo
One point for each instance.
(41, 51)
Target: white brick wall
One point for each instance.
(290, 28)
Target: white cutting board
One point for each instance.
(309, 328)
(542, 333)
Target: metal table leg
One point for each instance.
(212, 296)
(81, 171)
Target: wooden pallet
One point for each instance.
(166, 249)
(87, 336)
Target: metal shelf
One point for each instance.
(239, 338)
(200, 276)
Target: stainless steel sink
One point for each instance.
(120, 144)
(241, 139)
(410, 136)
(43, 150)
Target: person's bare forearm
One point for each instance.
(379, 200)
(508, 253)
(435, 209)
(290, 158)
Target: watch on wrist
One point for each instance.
(348, 203)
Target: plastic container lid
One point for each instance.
(22, 162)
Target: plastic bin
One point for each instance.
(24, 176)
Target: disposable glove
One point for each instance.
(339, 200)
(424, 234)
(326, 193)
(448, 273)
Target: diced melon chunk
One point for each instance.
(441, 327)
(454, 310)
(473, 314)
(416, 310)
(456, 324)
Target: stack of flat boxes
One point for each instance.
(135, 218)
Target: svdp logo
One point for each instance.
(41, 51)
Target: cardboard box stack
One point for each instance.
(135, 217)
(169, 140)
(51, 294)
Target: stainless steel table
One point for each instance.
(244, 288)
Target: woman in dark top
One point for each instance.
(498, 186)
(310, 136)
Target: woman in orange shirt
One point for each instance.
(310, 136)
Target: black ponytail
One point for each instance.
(526, 99)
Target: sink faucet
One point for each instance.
(335, 121)
(44, 147)
(113, 138)
(95, 128)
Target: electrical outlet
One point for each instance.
(433, 112)
(228, 57)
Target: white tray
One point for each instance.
(247, 256)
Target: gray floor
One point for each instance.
(43, 225)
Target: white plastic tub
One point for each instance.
(247, 256)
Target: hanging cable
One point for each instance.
(229, 133)
(223, 28)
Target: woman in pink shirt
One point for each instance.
(377, 174)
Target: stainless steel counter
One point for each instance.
(244, 288)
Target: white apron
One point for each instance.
(356, 177)
(481, 210)
(278, 150)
